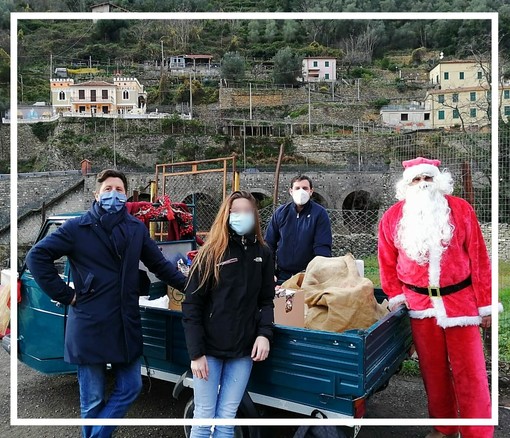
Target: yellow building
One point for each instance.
(459, 107)
(459, 74)
(123, 96)
(461, 95)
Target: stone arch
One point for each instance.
(262, 196)
(320, 199)
(360, 211)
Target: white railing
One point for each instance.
(7, 120)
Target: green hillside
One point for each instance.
(122, 44)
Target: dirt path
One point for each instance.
(43, 396)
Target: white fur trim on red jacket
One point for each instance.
(487, 310)
(444, 321)
(396, 301)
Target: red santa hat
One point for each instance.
(420, 166)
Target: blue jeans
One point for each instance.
(93, 404)
(219, 396)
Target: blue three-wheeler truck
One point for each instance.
(308, 372)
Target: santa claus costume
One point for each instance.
(432, 257)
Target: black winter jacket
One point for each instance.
(224, 321)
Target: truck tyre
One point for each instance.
(239, 432)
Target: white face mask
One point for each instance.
(300, 196)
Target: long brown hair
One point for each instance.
(210, 255)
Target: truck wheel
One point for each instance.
(239, 432)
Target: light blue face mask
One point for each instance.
(242, 223)
(112, 201)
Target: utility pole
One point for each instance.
(51, 71)
(161, 73)
(251, 108)
(21, 82)
(190, 98)
(162, 55)
(114, 143)
(244, 143)
(309, 110)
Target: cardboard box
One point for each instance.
(175, 299)
(289, 308)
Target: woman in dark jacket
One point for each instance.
(228, 311)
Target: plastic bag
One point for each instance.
(5, 312)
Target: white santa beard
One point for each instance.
(425, 230)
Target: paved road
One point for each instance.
(43, 396)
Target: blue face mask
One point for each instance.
(112, 201)
(242, 223)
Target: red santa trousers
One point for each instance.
(452, 365)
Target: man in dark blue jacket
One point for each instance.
(104, 248)
(299, 230)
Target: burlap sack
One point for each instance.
(338, 298)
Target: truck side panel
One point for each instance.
(41, 328)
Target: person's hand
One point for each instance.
(396, 306)
(260, 349)
(486, 321)
(200, 368)
(73, 302)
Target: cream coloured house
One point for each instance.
(122, 96)
(459, 74)
(459, 107)
(459, 98)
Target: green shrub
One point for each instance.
(43, 130)
(379, 103)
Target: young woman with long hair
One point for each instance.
(228, 311)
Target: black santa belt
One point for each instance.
(439, 291)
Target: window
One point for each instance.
(455, 97)
(446, 75)
(461, 75)
(426, 116)
(479, 75)
(440, 115)
(456, 114)
(315, 63)
(81, 109)
(326, 75)
(105, 109)
(125, 95)
(507, 110)
(81, 94)
(61, 96)
(437, 79)
(440, 98)
(104, 94)
(326, 63)
(506, 94)
(472, 112)
(472, 96)
(404, 117)
(93, 95)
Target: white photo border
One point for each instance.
(491, 16)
